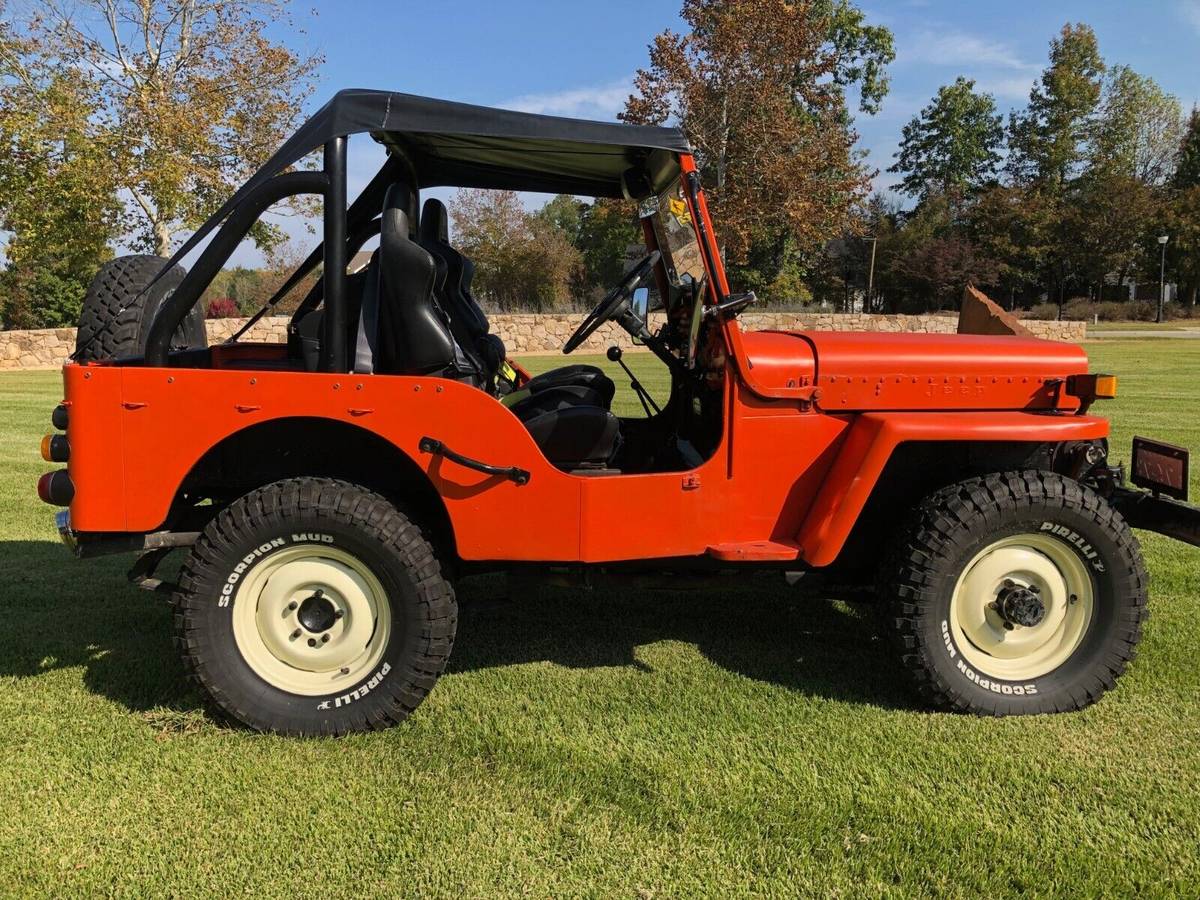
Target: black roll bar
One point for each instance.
(333, 341)
(331, 184)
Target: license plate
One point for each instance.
(1159, 467)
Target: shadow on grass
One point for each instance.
(755, 626)
(60, 612)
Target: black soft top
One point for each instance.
(443, 143)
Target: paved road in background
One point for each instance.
(1185, 333)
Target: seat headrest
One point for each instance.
(435, 225)
(399, 204)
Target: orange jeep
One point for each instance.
(325, 489)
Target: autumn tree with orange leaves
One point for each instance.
(760, 88)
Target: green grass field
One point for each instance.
(739, 741)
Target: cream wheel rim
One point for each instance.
(311, 619)
(1021, 607)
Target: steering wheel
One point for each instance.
(611, 306)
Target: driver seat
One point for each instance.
(470, 325)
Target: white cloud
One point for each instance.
(956, 48)
(595, 102)
(1015, 88)
(1189, 10)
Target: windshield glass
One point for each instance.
(676, 237)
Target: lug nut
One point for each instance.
(295, 634)
(339, 613)
(1034, 589)
(1009, 583)
(1008, 626)
(325, 639)
(292, 606)
(312, 642)
(345, 670)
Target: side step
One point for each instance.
(755, 551)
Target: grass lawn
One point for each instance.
(742, 740)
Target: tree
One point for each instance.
(607, 228)
(1187, 168)
(759, 86)
(522, 260)
(1107, 219)
(1182, 223)
(602, 231)
(1182, 220)
(58, 196)
(1048, 140)
(197, 92)
(565, 213)
(1138, 130)
(1014, 226)
(953, 145)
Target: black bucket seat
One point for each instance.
(403, 330)
(470, 323)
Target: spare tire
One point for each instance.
(118, 310)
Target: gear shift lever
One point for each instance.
(614, 355)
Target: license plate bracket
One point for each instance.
(1160, 467)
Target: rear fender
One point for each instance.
(874, 437)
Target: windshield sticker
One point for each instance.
(679, 210)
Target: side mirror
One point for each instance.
(640, 304)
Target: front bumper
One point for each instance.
(1172, 518)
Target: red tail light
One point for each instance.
(56, 488)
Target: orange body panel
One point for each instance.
(785, 475)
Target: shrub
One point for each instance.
(221, 308)
(1140, 311)
(1078, 310)
(1046, 312)
(33, 297)
(1111, 311)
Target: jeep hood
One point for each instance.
(854, 371)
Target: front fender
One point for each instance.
(875, 436)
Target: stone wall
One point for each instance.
(530, 334)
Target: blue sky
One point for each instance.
(578, 59)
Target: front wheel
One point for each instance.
(312, 606)
(1016, 593)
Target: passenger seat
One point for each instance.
(471, 327)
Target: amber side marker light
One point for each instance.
(1092, 387)
(55, 448)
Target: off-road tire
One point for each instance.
(351, 520)
(952, 526)
(118, 310)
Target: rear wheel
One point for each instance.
(313, 606)
(1016, 593)
(118, 309)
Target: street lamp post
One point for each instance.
(871, 276)
(1162, 277)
